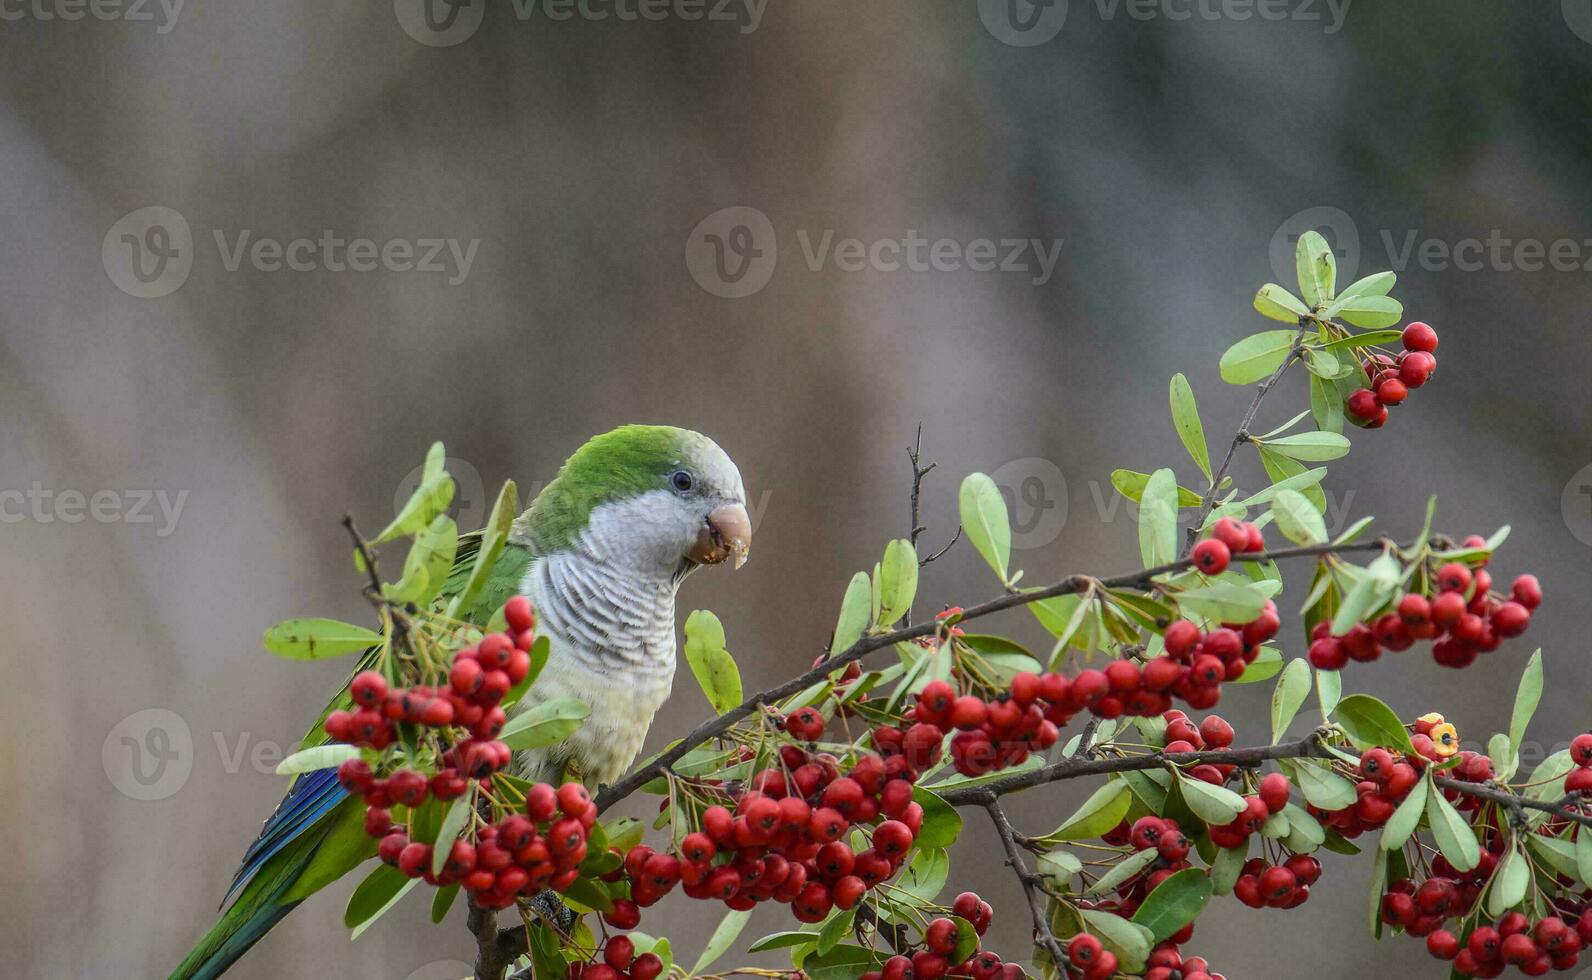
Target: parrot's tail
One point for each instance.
(242, 926)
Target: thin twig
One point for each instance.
(1561, 809)
(1014, 859)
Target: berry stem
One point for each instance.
(1014, 859)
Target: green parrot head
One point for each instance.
(643, 496)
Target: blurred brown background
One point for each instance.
(1166, 152)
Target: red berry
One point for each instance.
(1419, 336)
(517, 612)
(1511, 619)
(1211, 556)
(368, 688)
(1180, 637)
(1231, 533)
(1362, 404)
(1454, 577)
(1391, 391)
(1442, 944)
(1581, 750)
(1416, 367)
(1527, 591)
(1084, 950)
(1274, 791)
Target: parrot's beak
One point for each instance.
(726, 531)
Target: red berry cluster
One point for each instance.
(1392, 379)
(619, 962)
(936, 957)
(1553, 942)
(784, 839)
(1580, 778)
(1461, 628)
(1229, 537)
(1166, 963)
(1262, 885)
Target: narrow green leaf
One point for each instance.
(317, 757)
(1125, 869)
(544, 724)
(1526, 698)
(729, 929)
(442, 902)
(1379, 284)
(898, 581)
(493, 537)
(1371, 722)
(942, 824)
(1317, 268)
(1407, 817)
(1174, 903)
(1297, 519)
(1186, 417)
(1329, 690)
(1369, 339)
(985, 521)
(1255, 357)
(1321, 786)
(318, 639)
(1509, 882)
(1131, 483)
(1098, 814)
(1300, 480)
(1583, 852)
(458, 815)
(1222, 601)
(1371, 312)
(1213, 804)
(1311, 446)
(1452, 832)
(1378, 885)
(431, 498)
(375, 895)
(1059, 867)
(1128, 940)
(1227, 867)
(1158, 519)
(1292, 688)
(711, 664)
(1326, 405)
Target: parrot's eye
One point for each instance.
(682, 481)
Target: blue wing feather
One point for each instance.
(312, 796)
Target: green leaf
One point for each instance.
(1297, 519)
(429, 560)
(1502, 755)
(1128, 940)
(1276, 303)
(1369, 339)
(1321, 786)
(431, 498)
(442, 902)
(854, 611)
(1300, 479)
(1559, 854)
(1329, 690)
(1255, 357)
(985, 521)
(1526, 698)
(1186, 417)
(1583, 852)
(317, 757)
(1158, 519)
(1059, 867)
(318, 639)
(380, 890)
(1131, 484)
(1326, 405)
(1452, 832)
(898, 581)
(538, 653)
(1317, 268)
(1125, 869)
(723, 938)
(1222, 601)
(1292, 688)
(1266, 665)
(1174, 903)
(782, 940)
(837, 927)
(712, 665)
(942, 824)
(1098, 814)
(493, 537)
(1378, 885)
(1371, 312)
(1213, 804)
(844, 962)
(925, 875)
(1379, 284)
(1305, 832)
(1226, 868)
(544, 724)
(1407, 817)
(1370, 722)
(458, 815)
(1312, 447)
(1509, 882)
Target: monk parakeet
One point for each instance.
(600, 553)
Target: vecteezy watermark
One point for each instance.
(445, 23)
(1026, 23)
(1578, 16)
(150, 252)
(1491, 250)
(162, 13)
(1036, 500)
(732, 253)
(149, 754)
(1575, 504)
(469, 493)
(43, 505)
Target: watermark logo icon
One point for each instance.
(149, 754)
(1023, 23)
(1334, 224)
(1036, 498)
(1578, 15)
(1575, 503)
(469, 493)
(439, 23)
(732, 252)
(148, 253)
